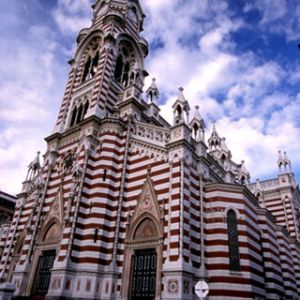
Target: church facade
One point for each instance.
(127, 206)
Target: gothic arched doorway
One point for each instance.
(43, 260)
(143, 260)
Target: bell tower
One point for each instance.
(108, 65)
(75, 199)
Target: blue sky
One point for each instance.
(237, 60)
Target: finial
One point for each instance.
(280, 161)
(258, 185)
(287, 163)
(33, 167)
(197, 115)
(181, 89)
(152, 92)
(149, 170)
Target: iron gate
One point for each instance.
(144, 274)
(42, 281)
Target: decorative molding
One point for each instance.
(173, 286)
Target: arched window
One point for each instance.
(243, 180)
(125, 74)
(223, 159)
(87, 68)
(86, 107)
(78, 113)
(74, 114)
(92, 60)
(95, 64)
(125, 61)
(233, 241)
(119, 69)
(179, 111)
(90, 67)
(195, 130)
(150, 96)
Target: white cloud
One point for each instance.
(31, 87)
(252, 105)
(277, 16)
(248, 140)
(72, 15)
(272, 9)
(193, 46)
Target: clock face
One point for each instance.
(132, 15)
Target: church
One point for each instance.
(127, 206)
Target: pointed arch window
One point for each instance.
(78, 113)
(195, 130)
(92, 61)
(243, 180)
(119, 69)
(95, 64)
(150, 96)
(87, 68)
(86, 107)
(73, 118)
(90, 67)
(233, 241)
(124, 63)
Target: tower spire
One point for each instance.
(152, 92)
(284, 163)
(181, 108)
(214, 141)
(114, 41)
(198, 126)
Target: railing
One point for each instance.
(153, 133)
(269, 183)
(264, 184)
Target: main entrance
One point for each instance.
(144, 264)
(42, 281)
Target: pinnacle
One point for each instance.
(197, 115)
(153, 85)
(181, 95)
